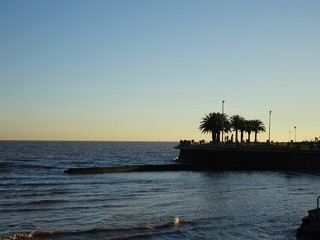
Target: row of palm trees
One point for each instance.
(215, 123)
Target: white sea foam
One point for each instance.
(176, 221)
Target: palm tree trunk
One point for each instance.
(236, 135)
(255, 136)
(215, 138)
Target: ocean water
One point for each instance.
(39, 201)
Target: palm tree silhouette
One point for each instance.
(257, 126)
(212, 123)
(236, 122)
(249, 128)
(242, 128)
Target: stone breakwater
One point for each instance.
(136, 168)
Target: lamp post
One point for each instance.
(289, 136)
(222, 123)
(269, 125)
(295, 133)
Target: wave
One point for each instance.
(47, 201)
(147, 230)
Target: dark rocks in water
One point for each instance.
(310, 227)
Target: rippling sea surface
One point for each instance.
(39, 201)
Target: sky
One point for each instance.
(135, 70)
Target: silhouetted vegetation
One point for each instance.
(214, 122)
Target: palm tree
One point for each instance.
(249, 128)
(242, 128)
(257, 126)
(212, 123)
(226, 124)
(236, 121)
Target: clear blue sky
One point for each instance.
(150, 70)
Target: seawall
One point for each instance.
(251, 159)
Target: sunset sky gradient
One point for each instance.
(150, 70)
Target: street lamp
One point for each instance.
(269, 124)
(222, 124)
(295, 133)
(289, 136)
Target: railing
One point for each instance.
(313, 146)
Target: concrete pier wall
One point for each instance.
(244, 159)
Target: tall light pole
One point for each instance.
(295, 133)
(289, 136)
(222, 124)
(269, 125)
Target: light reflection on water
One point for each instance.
(37, 196)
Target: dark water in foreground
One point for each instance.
(39, 201)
